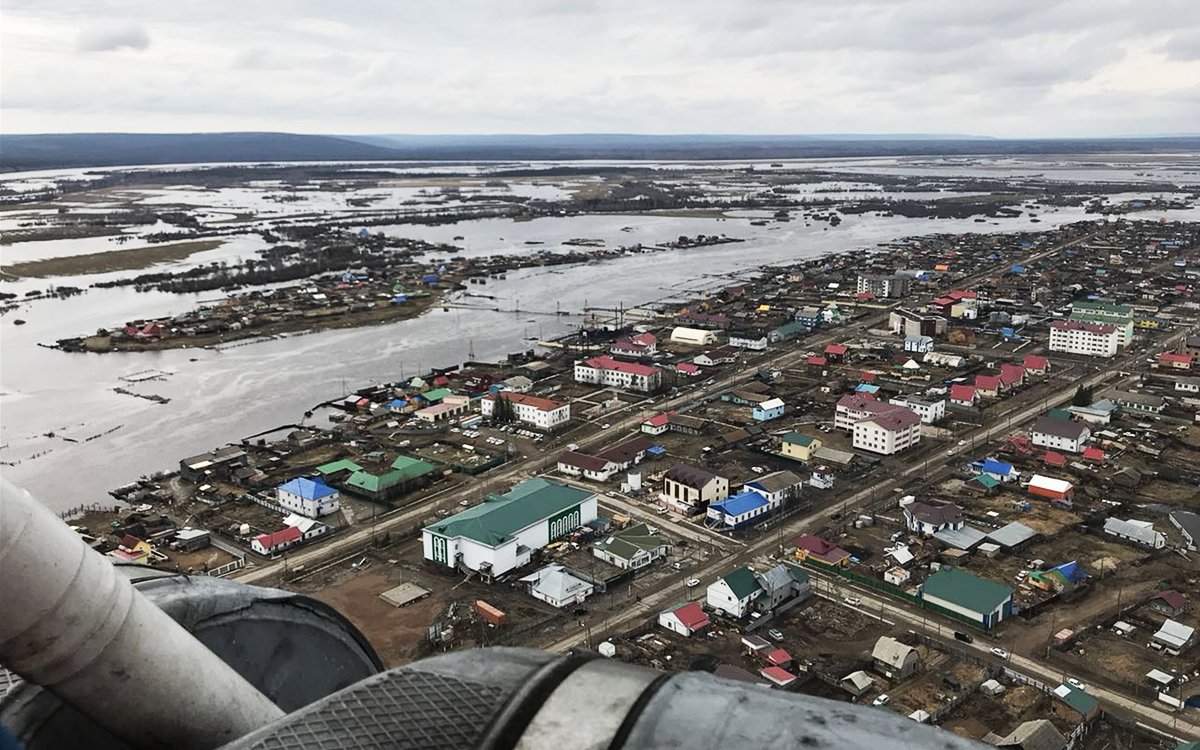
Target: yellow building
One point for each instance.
(800, 447)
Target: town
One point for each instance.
(954, 478)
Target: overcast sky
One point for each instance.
(998, 67)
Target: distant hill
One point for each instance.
(49, 151)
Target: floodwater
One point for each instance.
(48, 396)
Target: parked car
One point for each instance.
(882, 700)
(997, 651)
(677, 565)
(852, 601)
(775, 635)
(1076, 684)
(693, 583)
(964, 637)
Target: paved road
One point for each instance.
(916, 620)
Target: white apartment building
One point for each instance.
(888, 433)
(1060, 434)
(852, 409)
(1088, 339)
(931, 411)
(542, 413)
(607, 371)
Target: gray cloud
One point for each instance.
(106, 39)
(1015, 68)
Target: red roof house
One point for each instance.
(779, 657)
(964, 395)
(1175, 360)
(836, 350)
(267, 544)
(1093, 454)
(811, 547)
(1054, 458)
(1036, 364)
(1012, 375)
(989, 385)
(778, 676)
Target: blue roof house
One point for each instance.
(998, 470)
(736, 511)
(311, 498)
(397, 405)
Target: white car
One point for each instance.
(882, 700)
(997, 651)
(693, 583)
(1076, 684)
(853, 601)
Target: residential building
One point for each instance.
(920, 344)
(1170, 603)
(742, 509)
(1089, 339)
(811, 548)
(927, 519)
(501, 533)
(963, 395)
(556, 586)
(691, 488)
(632, 548)
(693, 336)
(1144, 403)
(137, 551)
(1120, 317)
(888, 433)
(733, 593)
(809, 317)
(1141, 533)
(639, 345)
(909, 323)
(311, 498)
(787, 332)
(1174, 637)
(749, 339)
(768, 410)
(1038, 734)
(1098, 412)
(724, 355)
(853, 408)
(1059, 434)
(884, 285)
(777, 487)
(274, 543)
(893, 659)
(540, 413)
(977, 599)
(799, 446)
(1035, 364)
(685, 620)
(989, 386)
(1001, 471)
(930, 410)
(405, 474)
(1175, 361)
(591, 467)
(606, 371)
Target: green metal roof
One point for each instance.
(628, 542)
(966, 590)
(798, 438)
(741, 582)
(368, 482)
(412, 468)
(1112, 319)
(333, 467)
(498, 517)
(436, 395)
(1080, 701)
(987, 481)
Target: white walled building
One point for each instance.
(693, 336)
(1089, 339)
(691, 488)
(541, 413)
(308, 497)
(931, 411)
(607, 371)
(502, 532)
(1060, 434)
(888, 433)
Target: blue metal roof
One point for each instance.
(992, 466)
(740, 504)
(866, 388)
(309, 489)
(397, 403)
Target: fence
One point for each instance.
(81, 510)
(895, 592)
(223, 570)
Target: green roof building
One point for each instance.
(1107, 313)
(406, 474)
(631, 548)
(968, 596)
(436, 395)
(733, 592)
(335, 467)
(501, 533)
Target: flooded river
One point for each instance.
(51, 403)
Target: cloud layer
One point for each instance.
(1016, 68)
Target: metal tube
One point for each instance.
(71, 624)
